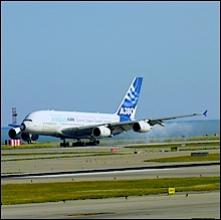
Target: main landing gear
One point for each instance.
(64, 144)
(80, 143)
(90, 143)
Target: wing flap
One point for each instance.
(117, 127)
(161, 120)
(74, 132)
(86, 131)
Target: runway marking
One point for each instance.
(96, 173)
(106, 171)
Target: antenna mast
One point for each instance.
(14, 116)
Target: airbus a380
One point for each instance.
(92, 126)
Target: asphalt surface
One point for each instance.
(81, 161)
(193, 205)
(192, 171)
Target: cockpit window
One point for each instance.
(26, 119)
(27, 115)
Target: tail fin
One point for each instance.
(128, 106)
(205, 113)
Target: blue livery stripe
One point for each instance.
(127, 109)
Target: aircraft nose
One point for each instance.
(23, 126)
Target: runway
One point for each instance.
(195, 205)
(73, 159)
(87, 164)
(182, 170)
(26, 165)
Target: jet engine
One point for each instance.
(29, 137)
(141, 126)
(101, 131)
(34, 137)
(25, 136)
(14, 132)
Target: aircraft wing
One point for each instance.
(86, 131)
(78, 132)
(125, 126)
(161, 120)
(119, 127)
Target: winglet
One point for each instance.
(205, 113)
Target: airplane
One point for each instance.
(89, 126)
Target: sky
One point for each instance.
(82, 56)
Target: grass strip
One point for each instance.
(168, 145)
(209, 157)
(52, 192)
(31, 146)
(62, 156)
(52, 153)
(199, 148)
(194, 138)
(56, 144)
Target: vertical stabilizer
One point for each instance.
(128, 106)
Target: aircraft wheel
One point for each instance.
(78, 143)
(64, 144)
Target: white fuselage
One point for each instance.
(81, 125)
(51, 122)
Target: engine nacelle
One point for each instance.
(34, 137)
(26, 136)
(14, 132)
(29, 137)
(141, 126)
(101, 131)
